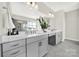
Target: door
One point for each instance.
(32, 49)
(43, 47)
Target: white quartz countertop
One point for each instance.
(5, 38)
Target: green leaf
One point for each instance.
(43, 24)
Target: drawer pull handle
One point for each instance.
(40, 43)
(15, 52)
(15, 45)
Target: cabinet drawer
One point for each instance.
(12, 45)
(32, 39)
(15, 52)
(43, 36)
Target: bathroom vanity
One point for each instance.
(24, 46)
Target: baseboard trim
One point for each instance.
(71, 39)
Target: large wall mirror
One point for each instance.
(28, 24)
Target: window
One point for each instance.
(31, 25)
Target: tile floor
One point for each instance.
(67, 48)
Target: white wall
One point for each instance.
(52, 22)
(44, 8)
(72, 25)
(1, 22)
(22, 9)
(3, 18)
(60, 22)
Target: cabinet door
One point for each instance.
(58, 37)
(18, 52)
(32, 49)
(13, 45)
(43, 47)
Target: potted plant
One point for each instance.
(43, 24)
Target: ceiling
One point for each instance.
(66, 6)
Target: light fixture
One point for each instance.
(28, 3)
(33, 4)
(51, 14)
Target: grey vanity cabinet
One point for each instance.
(37, 48)
(14, 49)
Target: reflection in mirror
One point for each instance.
(28, 25)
